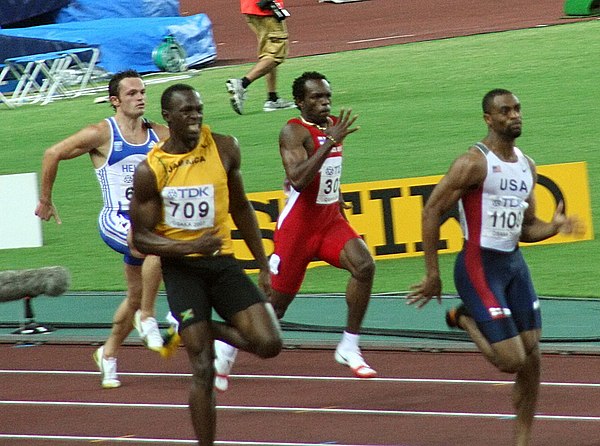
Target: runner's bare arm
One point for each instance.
(467, 171)
(84, 141)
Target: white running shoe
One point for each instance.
(224, 358)
(174, 323)
(108, 369)
(171, 340)
(279, 104)
(355, 361)
(149, 331)
(238, 95)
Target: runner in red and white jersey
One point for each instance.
(312, 224)
(319, 201)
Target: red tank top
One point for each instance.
(249, 7)
(318, 201)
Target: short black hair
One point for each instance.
(298, 87)
(486, 103)
(165, 99)
(115, 81)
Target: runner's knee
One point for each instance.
(364, 271)
(268, 346)
(203, 371)
(511, 363)
(279, 310)
(280, 303)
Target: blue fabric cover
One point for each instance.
(14, 11)
(160, 8)
(21, 46)
(83, 10)
(128, 43)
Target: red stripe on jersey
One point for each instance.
(472, 205)
(476, 273)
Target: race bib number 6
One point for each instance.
(190, 207)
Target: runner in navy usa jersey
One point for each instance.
(493, 184)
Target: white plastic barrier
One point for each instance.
(19, 227)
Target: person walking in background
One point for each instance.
(266, 19)
(312, 225)
(493, 184)
(115, 146)
(183, 195)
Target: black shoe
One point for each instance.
(453, 314)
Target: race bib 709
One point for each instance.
(189, 207)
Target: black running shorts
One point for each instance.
(197, 285)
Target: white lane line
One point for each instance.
(63, 438)
(90, 373)
(91, 404)
(138, 440)
(403, 36)
(378, 39)
(306, 378)
(298, 410)
(409, 380)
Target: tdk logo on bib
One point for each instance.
(332, 170)
(190, 192)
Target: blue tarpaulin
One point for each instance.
(128, 42)
(14, 11)
(83, 10)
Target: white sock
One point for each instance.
(225, 351)
(349, 342)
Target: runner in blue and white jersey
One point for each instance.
(115, 146)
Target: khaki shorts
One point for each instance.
(272, 37)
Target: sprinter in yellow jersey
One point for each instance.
(183, 193)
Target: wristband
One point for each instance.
(331, 138)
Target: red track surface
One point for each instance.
(319, 28)
(455, 406)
